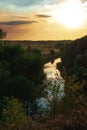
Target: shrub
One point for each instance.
(11, 113)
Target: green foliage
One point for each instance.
(72, 52)
(23, 88)
(81, 66)
(21, 72)
(71, 110)
(74, 60)
(74, 105)
(11, 112)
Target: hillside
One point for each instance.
(74, 62)
(72, 52)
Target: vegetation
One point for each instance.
(11, 113)
(2, 34)
(21, 83)
(48, 49)
(74, 56)
(74, 70)
(21, 73)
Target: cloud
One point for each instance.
(20, 17)
(42, 16)
(84, 5)
(84, 1)
(17, 22)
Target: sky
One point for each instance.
(43, 19)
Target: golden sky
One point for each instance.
(43, 19)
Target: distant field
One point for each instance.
(44, 46)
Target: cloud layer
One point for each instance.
(12, 23)
(42, 16)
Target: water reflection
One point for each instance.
(54, 76)
(54, 82)
(51, 69)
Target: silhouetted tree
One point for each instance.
(52, 52)
(2, 34)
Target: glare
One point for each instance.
(69, 13)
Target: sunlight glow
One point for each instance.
(70, 13)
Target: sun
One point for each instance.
(69, 13)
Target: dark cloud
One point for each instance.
(17, 22)
(42, 16)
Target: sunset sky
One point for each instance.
(43, 19)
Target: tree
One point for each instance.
(52, 52)
(21, 72)
(73, 105)
(2, 34)
(11, 113)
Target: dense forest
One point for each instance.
(22, 82)
(74, 60)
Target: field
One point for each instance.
(44, 46)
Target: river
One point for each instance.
(50, 69)
(54, 77)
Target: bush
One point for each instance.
(11, 113)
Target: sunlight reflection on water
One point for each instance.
(51, 69)
(53, 75)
